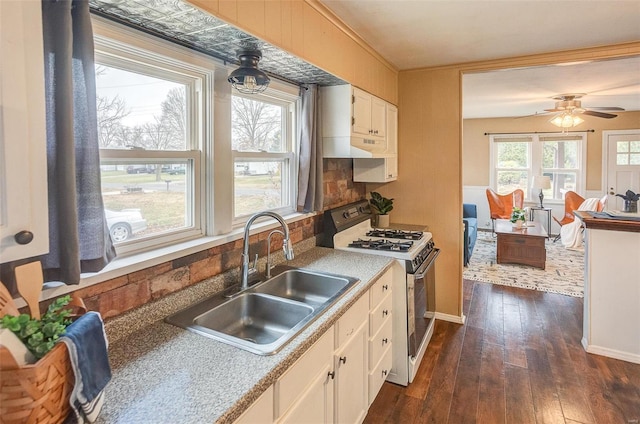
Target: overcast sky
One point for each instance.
(142, 94)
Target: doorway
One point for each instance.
(621, 164)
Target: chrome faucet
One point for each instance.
(287, 247)
(268, 267)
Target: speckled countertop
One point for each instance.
(163, 373)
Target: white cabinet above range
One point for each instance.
(354, 123)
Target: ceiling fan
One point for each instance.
(569, 103)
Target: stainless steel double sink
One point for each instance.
(263, 318)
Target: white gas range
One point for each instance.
(349, 228)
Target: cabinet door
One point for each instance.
(392, 142)
(378, 117)
(315, 404)
(260, 411)
(23, 163)
(352, 401)
(361, 110)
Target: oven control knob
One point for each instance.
(345, 214)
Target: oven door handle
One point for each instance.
(422, 269)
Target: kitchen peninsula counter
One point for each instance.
(611, 325)
(163, 373)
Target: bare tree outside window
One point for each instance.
(257, 126)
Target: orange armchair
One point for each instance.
(572, 202)
(501, 205)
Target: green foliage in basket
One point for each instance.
(517, 214)
(380, 204)
(39, 335)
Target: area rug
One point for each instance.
(563, 273)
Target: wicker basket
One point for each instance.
(39, 393)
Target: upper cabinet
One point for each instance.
(368, 115)
(385, 169)
(24, 230)
(354, 123)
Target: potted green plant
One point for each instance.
(518, 217)
(381, 206)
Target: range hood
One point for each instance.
(354, 147)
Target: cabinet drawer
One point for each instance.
(351, 320)
(380, 289)
(378, 315)
(378, 375)
(295, 380)
(380, 342)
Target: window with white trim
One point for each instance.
(516, 158)
(156, 115)
(264, 159)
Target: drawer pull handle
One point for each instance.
(331, 374)
(385, 341)
(343, 359)
(386, 286)
(385, 312)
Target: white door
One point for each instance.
(623, 152)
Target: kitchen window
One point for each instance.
(516, 158)
(151, 123)
(156, 117)
(263, 153)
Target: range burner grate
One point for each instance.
(395, 234)
(398, 246)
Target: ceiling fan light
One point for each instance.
(566, 120)
(248, 79)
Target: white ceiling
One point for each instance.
(426, 33)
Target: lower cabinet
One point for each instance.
(336, 380)
(260, 411)
(305, 393)
(351, 400)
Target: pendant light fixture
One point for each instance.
(248, 79)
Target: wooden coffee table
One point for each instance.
(525, 246)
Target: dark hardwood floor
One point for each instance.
(518, 359)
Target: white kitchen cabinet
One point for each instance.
(351, 383)
(385, 169)
(380, 333)
(368, 114)
(23, 163)
(260, 411)
(305, 392)
(354, 123)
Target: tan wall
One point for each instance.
(307, 29)
(428, 190)
(475, 145)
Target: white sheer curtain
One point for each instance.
(310, 193)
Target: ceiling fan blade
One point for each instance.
(533, 114)
(599, 114)
(607, 108)
(554, 110)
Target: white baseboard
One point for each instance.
(611, 353)
(451, 318)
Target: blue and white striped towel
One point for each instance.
(87, 344)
